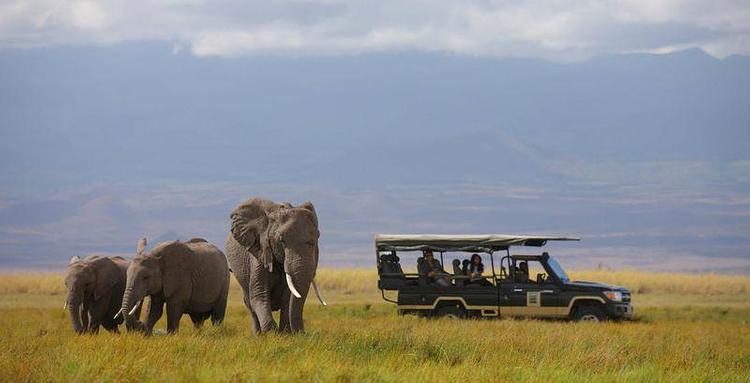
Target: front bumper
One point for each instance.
(620, 310)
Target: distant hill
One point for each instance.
(101, 146)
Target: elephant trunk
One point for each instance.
(299, 282)
(129, 304)
(74, 308)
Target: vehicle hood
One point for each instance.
(596, 285)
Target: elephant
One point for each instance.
(273, 252)
(190, 277)
(95, 287)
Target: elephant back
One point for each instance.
(213, 275)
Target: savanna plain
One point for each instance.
(687, 328)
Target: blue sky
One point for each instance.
(625, 123)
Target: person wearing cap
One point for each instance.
(432, 268)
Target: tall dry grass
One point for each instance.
(363, 339)
(358, 342)
(355, 281)
(640, 282)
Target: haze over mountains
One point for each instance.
(644, 156)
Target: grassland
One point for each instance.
(688, 328)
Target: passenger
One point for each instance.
(465, 266)
(432, 268)
(475, 269)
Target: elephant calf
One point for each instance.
(95, 287)
(190, 277)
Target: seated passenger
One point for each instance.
(432, 268)
(475, 269)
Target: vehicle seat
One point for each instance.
(391, 266)
(458, 272)
(422, 281)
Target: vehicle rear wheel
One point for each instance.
(589, 314)
(452, 311)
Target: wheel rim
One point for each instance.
(589, 318)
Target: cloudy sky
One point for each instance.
(557, 30)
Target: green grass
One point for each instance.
(680, 335)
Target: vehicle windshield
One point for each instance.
(558, 270)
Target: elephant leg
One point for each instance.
(262, 309)
(284, 322)
(98, 311)
(96, 315)
(85, 317)
(155, 310)
(220, 309)
(197, 319)
(253, 317)
(174, 313)
(256, 322)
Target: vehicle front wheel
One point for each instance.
(452, 311)
(589, 314)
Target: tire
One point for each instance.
(591, 314)
(451, 311)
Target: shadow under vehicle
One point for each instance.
(505, 289)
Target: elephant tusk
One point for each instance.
(65, 306)
(291, 286)
(119, 314)
(137, 305)
(317, 293)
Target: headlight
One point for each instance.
(614, 296)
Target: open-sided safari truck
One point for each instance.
(513, 285)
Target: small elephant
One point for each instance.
(95, 286)
(273, 252)
(190, 277)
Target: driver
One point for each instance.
(523, 272)
(432, 268)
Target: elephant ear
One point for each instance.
(309, 206)
(249, 221)
(250, 227)
(74, 259)
(140, 246)
(107, 276)
(177, 262)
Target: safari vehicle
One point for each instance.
(504, 289)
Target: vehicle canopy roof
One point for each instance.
(485, 243)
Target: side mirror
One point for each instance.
(540, 278)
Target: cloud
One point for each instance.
(558, 30)
(88, 15)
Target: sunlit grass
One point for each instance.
(356, 281)
(682, 334)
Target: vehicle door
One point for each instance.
(525, 296)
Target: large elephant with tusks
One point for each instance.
(273, 252)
